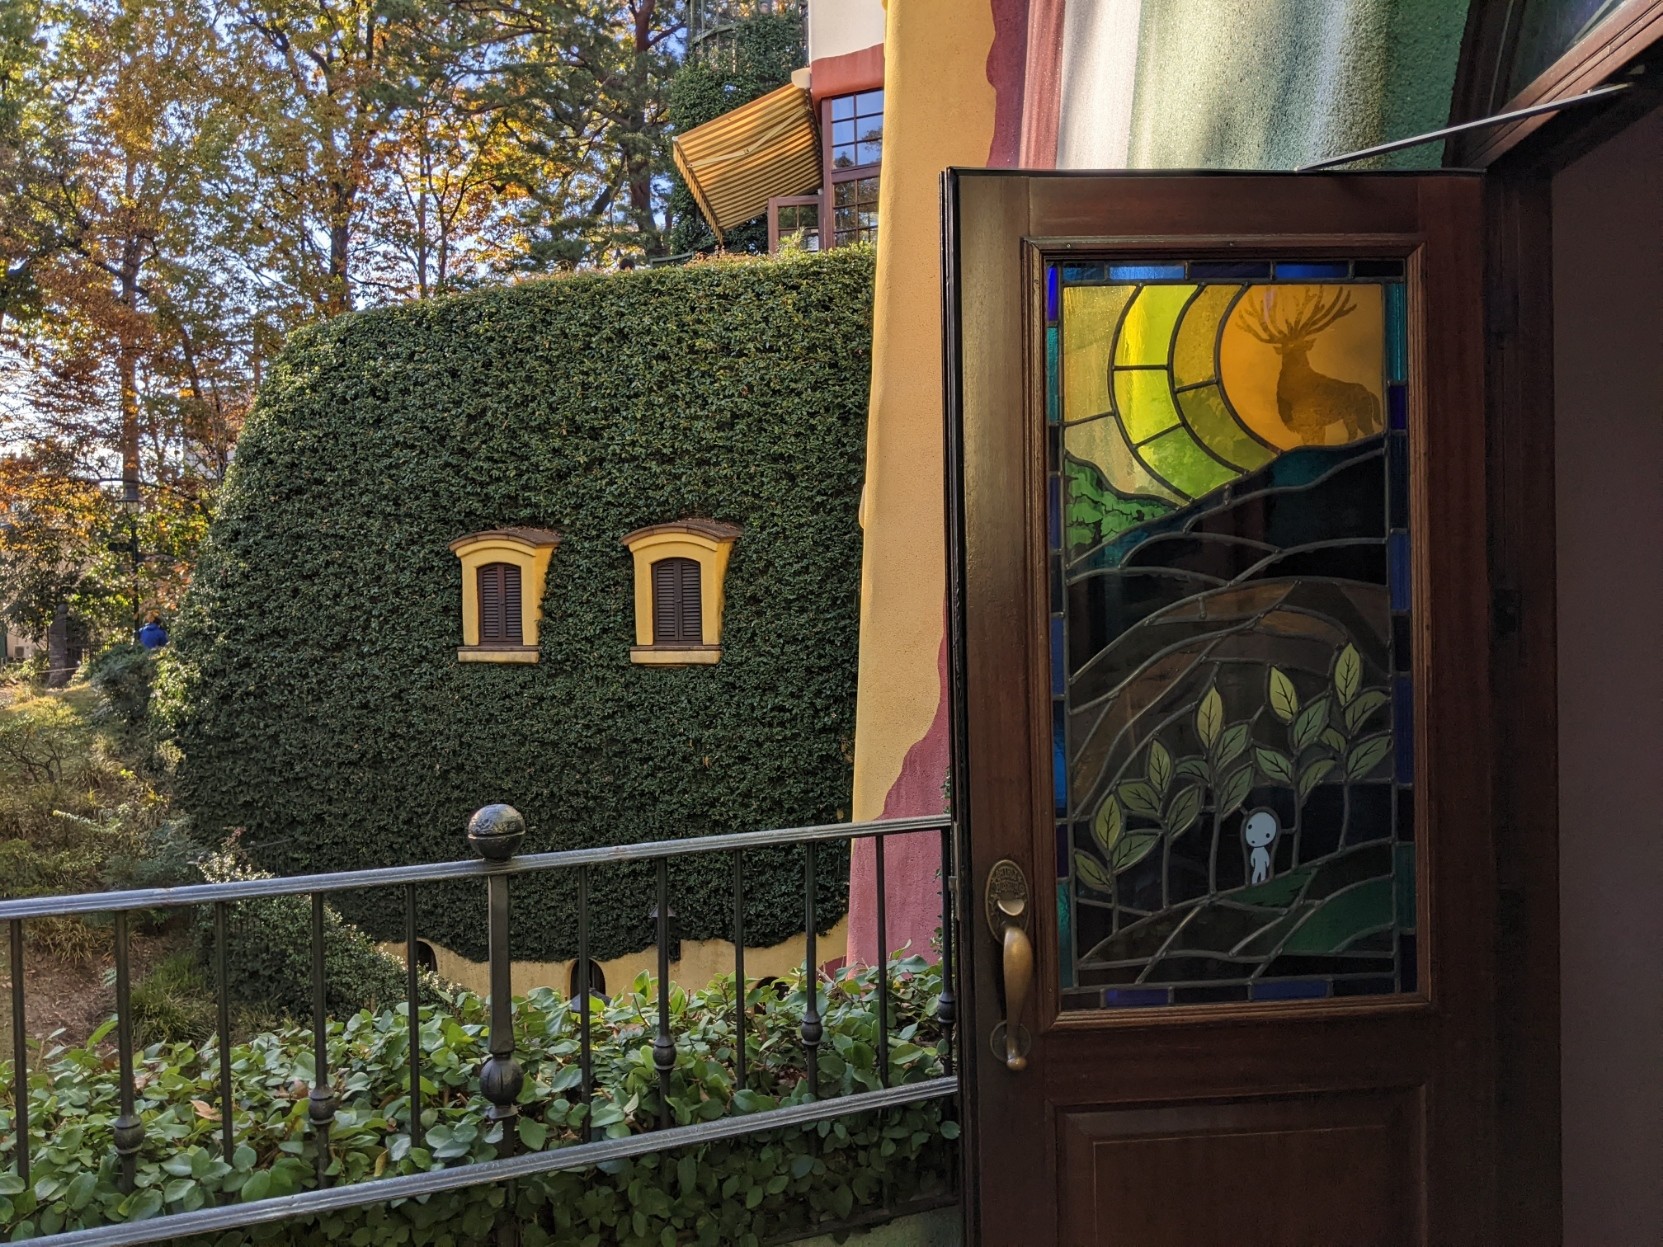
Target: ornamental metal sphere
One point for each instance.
(501, 1081)
(495, 832)
(129, 1135)
(320, 1106)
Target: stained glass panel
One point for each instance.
(1228, 518)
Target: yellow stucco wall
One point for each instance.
(701, 961)
(939, 111)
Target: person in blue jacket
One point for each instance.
(153, 635)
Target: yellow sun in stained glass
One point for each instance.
(1302, 364)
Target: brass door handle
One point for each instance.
(1007, 917)
(1019, 977)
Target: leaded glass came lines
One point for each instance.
(1228, 497)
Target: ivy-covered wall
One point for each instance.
(317, 695)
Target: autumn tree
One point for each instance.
(586, 106)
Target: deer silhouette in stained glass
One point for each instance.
(1309, 401)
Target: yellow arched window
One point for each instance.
(679, 573)
(503, 572)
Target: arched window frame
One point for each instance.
(528, 549)
(709, 543)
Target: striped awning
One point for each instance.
(735, 164)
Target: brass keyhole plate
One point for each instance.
(1006, 896)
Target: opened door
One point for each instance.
(1221, 633)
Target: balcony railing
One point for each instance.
(495, 833)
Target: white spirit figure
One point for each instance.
(1260, 831)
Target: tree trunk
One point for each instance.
(127, 364)
(339, 296)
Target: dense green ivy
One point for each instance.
(734, 1193)
(313, 684)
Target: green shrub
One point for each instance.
(173, 1003)
(313, 671)
(123, 674)
(268, 961)
(733, 1193)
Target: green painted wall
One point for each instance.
(1270, 84)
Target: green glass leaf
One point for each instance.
(1089, 871)
(1234, 790)
(1133, 848)
(1312, 775)
(1160, 766)
(1348, 673)
(1209, 717)
(1366, 755)
(1140, 798)
(1193, 768)
(1308, 725)
(1183, 810)
(1275, 765)
(1366, 704)
(1232, 743)
(1106, 827)
(1332, 738)
(1284, 700)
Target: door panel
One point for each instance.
(1218, 520)
(1257, 1173)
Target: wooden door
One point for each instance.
(1220, 617)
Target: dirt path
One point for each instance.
(70, 994)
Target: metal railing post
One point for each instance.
(664, 1044)
(495, 833)
(128, 1129)
(320, 1104)
(20, 1053)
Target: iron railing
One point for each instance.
(495, 833)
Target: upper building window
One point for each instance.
(503, 571)
(856, 129)
(679, 573)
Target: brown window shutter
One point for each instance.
(676, 615)
(692, 617)
(499, 605)
(512, 630)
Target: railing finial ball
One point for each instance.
(495, 832)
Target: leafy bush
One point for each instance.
(268, 962)
(76, 813)
(313, 669)
(173, 1003)
(123, 673)
(736, 1192)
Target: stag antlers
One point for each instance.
(1313, 311)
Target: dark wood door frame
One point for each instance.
(1520, 160)
(1071, 209)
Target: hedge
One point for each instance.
(733, 1193)
(313, 682)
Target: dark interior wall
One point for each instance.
(1608, 360)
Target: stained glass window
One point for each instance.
(1230, 627)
